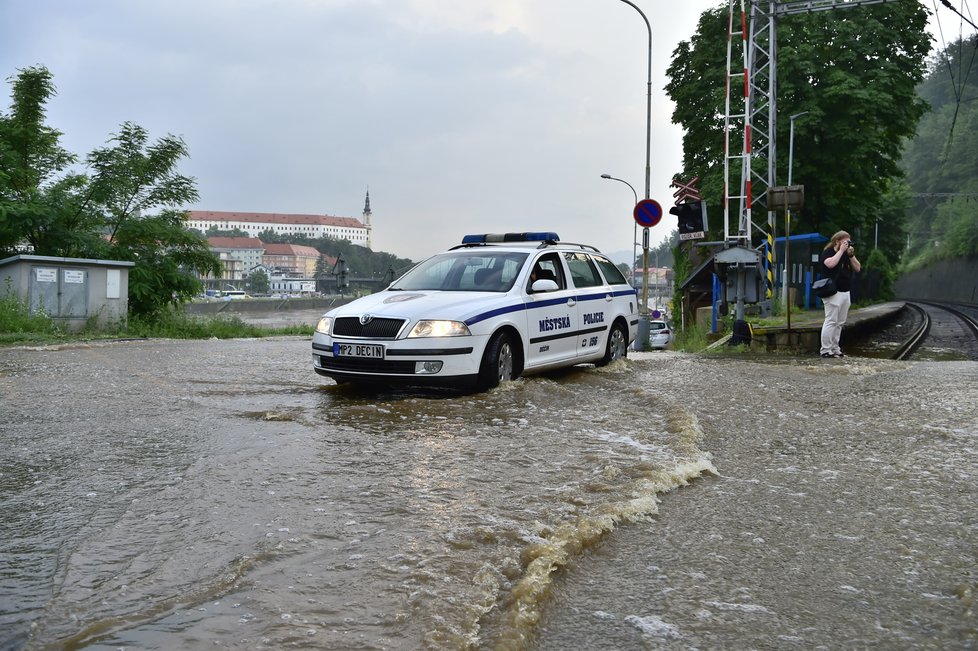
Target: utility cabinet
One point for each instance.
(72, 291)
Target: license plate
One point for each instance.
(375, 351)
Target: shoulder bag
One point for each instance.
(824, 287)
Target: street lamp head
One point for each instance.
(606, 176)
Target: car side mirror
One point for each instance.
(544, 285)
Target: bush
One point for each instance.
(18, 326)
(175, 324)
(878, 262)
(16, 321)
(690, 340)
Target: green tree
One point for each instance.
(214, 231)
(878, 263)
(105, 214)
(260, 283)
(854, 71)
(40, 199)
(662, 254)
(129, 179)
(323, 267)
(940, 159)
(268, 236)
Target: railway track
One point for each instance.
(944, 331)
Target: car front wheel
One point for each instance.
(497, 362)
(617, 345)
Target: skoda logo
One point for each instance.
(366, 318)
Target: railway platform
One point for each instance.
(804, 332)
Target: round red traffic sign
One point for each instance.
(647, 213)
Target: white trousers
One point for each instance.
(836, 313)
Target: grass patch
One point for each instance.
(690, 340)
(18, 326)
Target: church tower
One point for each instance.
(366, 222)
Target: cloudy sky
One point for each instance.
(460, 116)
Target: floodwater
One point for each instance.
(219, 494)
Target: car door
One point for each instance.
(593, 300)
(551, 316)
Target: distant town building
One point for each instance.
(248, 251)
(660, 284)
(313, 226)
(292, 258)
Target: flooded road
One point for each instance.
(219, 494)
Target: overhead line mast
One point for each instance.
(760, 72)
(758, 122)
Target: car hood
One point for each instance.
(456, 306)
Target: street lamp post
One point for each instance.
(648, 106)
(634, 224)
(786, 278)
(643, 325)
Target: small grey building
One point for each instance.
(72, 291)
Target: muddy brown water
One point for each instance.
(219, 494)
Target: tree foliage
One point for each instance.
(214, 231)
(877, 263)
(130, 178)
(853, 73)
(40, 200)
(127, 208)
(259, 281)
(940, 160)
(363, 262)
(660, 255)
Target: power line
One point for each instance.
(947, 4)
(958, 86)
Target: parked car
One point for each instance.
(659, 334)
(484, 312)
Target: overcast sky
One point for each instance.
(460, 116)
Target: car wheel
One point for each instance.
(617, 345)
(497, 362)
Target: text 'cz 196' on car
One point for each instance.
(484, 312)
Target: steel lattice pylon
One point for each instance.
(758, 121)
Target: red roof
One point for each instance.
(235, 243)
(275, 218)
(297, 250)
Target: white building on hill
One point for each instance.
(314, 226)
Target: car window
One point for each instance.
(464, 271)
(548, 267)
(657, 325)
(582, 270)
(612, 274)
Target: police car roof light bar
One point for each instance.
(485, 238)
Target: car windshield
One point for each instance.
(481, 270)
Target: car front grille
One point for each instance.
(350, 326)
(364, 365)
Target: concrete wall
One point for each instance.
(947, 280)
(261, 305)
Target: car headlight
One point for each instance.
(324, 325)
(439, 329)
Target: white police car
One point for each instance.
(481, 313)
